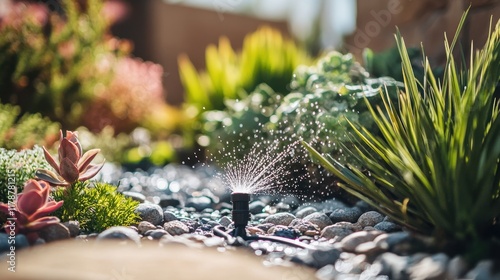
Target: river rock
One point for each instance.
(199, 202)
(280, 219)
(225, 221)
(145, 226)
(336, 232)
(393, 266)
(73, 227)
(169, 216)
(349, 243)
(150, 212)
(319, 219)
(317, 258)
(305, 211)
(176, 228)
(387, 226)
(431, 267)
(256, 207)
(370, 218)
(345, 215)
(120, 232)
(54, 232)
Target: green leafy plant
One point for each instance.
(17, 167)
(73, 166)
(435, 168)
(266, 57)
(23, 132)
(323, 98)
(29, 209)
(96, 206)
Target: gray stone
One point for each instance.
(393, 266)
(352, 241)
(336, 232)
(256, 207)
(370, 218)
(73, 227)
(330, 205)
(387, 226)
(400, 242)
(319, 219)
(368, 248)
(482, 271)
(260, 216)
(166, 201)
(199, 202)
(431, 267)
(169, 216)
(176, 228)
(306, 211)
(19, 241)
(121, 233)
(54, 232)
(145, 226)
(345, 215)
(305, 226)
(457, 267)
(327, 272)
(135, 196)
(280, 219)
(156, 233)
(351, 226)
(295, 222)
(150, 213)
(317, 258)
(225, 221)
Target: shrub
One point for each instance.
(23, 132)
(266, 57)
(52, 64)
(96, 206)
(435, 169)
(16, 168)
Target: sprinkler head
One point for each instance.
(241, 213)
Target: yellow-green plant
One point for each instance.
(435, 168)
(96, 206)
(266, 57)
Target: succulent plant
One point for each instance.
(30, 209)
(73, 166)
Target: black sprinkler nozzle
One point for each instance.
(241, 213)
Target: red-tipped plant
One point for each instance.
(29, 211)
(73, 166)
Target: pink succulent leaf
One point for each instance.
(41, 223)
(30, 202)
(69, 171)
(50, 159)
(68, 150)
(72, 136)
(51, 177)
(87, 158)
(91, 171)
(34, 185)
(47, 209)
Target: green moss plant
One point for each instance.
(96, 206)
(435, 167)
